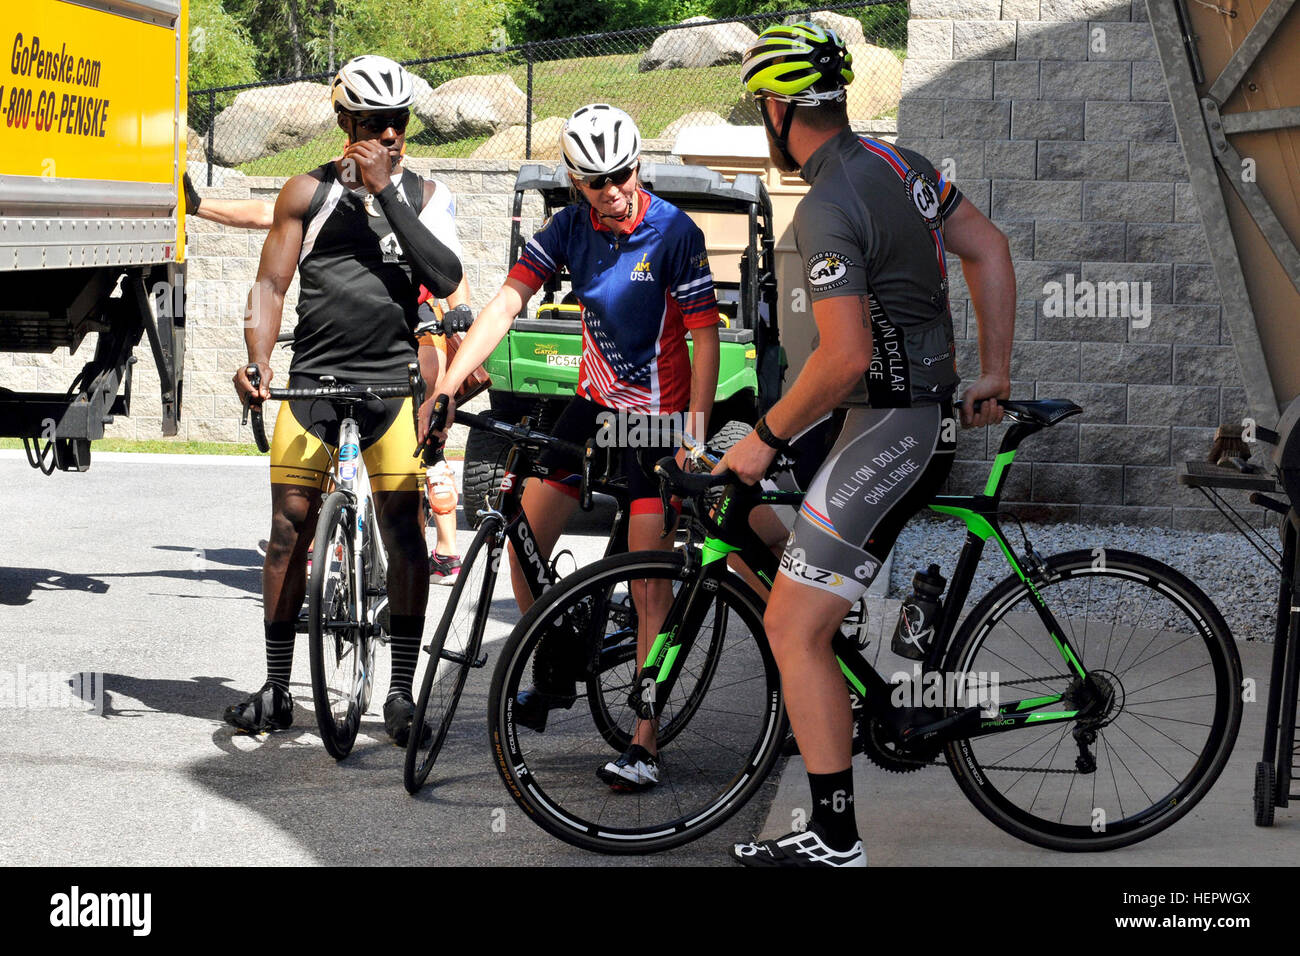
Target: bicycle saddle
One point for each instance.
(1045, 411)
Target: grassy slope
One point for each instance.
(559, 87)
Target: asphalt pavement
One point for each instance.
(146, 570)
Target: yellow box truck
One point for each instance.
(92, 150)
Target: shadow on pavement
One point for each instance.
(202, 697)
(18, 584)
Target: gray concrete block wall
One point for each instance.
(1056, 110)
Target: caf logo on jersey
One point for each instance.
(641, 271)
(924, 196)
(826, 270)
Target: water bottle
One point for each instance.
(919, 615)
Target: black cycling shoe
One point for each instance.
(399, 712)
(271, 708)
(553, 687)
(532, 706)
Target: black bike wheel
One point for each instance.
(337, 636)
(451, 651)
(1166, 660)
(714, 763)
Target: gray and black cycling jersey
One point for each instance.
(871, 226)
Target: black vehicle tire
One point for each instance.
(485, 456)
(712, 766)
(459, 633)
(1172, 709)
(338, 638)
(485, 453)
(728, 435)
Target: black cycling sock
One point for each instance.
(279, 652)
(832, 796)
(406, 631)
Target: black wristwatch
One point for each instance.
(767, 438)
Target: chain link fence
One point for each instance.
(510, 102)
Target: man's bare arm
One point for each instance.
(275, 272)
(986, 264)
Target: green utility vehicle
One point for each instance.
(535, 368)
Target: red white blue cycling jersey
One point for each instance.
(640, 292)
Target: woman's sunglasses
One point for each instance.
(377, 124)
(618, 178)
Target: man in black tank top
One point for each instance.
(354, 230)
(872, 233)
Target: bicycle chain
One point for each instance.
(1030, 680)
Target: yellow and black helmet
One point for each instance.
(801, 62)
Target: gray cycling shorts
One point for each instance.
(886, 464)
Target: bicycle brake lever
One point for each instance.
(254, 379)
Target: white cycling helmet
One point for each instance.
(599, 139)
(370, 82)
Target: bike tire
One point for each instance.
(1169, 725)
(459, 631)
(337, 635)
(717, 760)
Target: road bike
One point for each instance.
(1086, 702)
(457, 641)
(347, 589)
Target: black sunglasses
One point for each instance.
(618, 178)
(377, 124)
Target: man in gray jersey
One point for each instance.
(872, 233)
(358, 232)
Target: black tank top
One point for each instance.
(357, 299)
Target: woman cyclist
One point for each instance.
(639, 268)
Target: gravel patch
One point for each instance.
(1224, 565)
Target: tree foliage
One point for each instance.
(221, 52)
(415, 29)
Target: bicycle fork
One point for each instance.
(673, 644)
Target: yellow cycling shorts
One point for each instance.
(302, 452)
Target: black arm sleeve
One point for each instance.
(432, 263)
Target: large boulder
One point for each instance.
(877, 82)
(472, 106)
(271, 119)
(715, 45)
(510, 143)
(195, 146)
(848, 29)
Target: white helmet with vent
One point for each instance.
(599, 139)
(370, 82)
